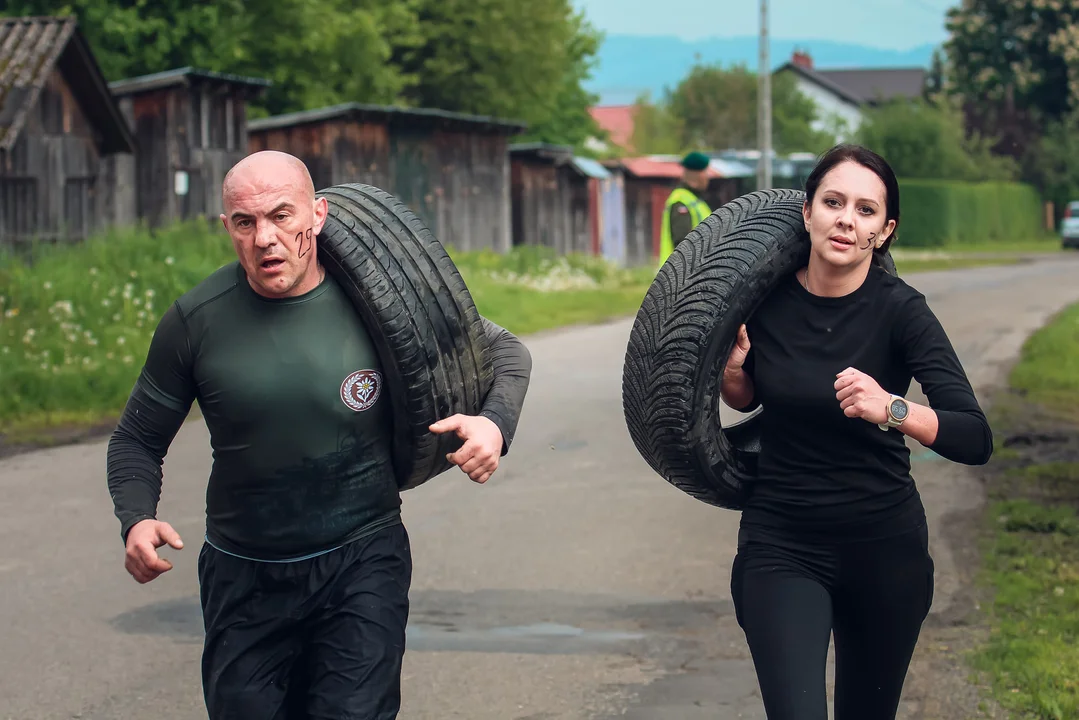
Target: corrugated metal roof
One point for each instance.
(181, 76)
(660, 166)
(732, 168)
(31, 48)
(384, 112)
(591, 168)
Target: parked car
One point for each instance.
(1069, 228)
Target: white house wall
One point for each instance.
(830, 108)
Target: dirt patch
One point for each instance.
(1033, 444)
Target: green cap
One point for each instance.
(695, 161)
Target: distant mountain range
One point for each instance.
(632, 64)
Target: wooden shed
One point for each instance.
(649, 181)
(57, 124)
(191, 127)
(568, 203)
(451, 169)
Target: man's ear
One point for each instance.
(322, 210)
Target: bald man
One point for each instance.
(305, 568)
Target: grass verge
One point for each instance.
(912, 260)
(75, 324)
(1031, 551)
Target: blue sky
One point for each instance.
(885, 24)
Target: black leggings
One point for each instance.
(873, 595)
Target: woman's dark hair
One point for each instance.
(868, 159)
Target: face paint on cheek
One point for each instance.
(870, 243)
(300, 236)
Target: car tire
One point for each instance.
(421, 317)
(684, 331)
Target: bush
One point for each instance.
(937, 213)
(75, 322)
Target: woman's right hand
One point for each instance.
(738, 352)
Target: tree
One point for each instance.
(922, 140)
(1015, 64)
(504, 58)
(316, 52)
(934, 81)
(1051, 164)
(488, 57)
(656, 130)
(1023, 53)
(716, 108)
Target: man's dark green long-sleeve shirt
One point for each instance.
(293, 395)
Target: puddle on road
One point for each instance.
(496, 621)
(542, 638)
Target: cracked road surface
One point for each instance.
(575, 584)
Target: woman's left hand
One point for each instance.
(860, 396)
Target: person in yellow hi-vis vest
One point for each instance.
(684, 208)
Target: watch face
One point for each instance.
(899, 409)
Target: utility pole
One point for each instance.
(764, 105)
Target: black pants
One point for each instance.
(872, 595)
(320, 638)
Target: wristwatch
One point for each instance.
(897, 412)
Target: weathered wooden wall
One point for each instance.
(199, 130)
(457, 182)
(640, 194)
(551, 206)
(50, 184)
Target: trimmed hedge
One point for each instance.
(937, 213)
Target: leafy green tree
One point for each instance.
(1015, 64)
(504, 58)
(656, 130)
(1051, 164)
(715, 108)
(315, 51)
(490, 57)
(922, 140)
(1023, 53)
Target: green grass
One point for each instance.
(907, 266)
(1032, 563)
(75, 324)
(1048, 370)
(1031, 558)
(1044, 244)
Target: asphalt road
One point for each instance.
(575, 584)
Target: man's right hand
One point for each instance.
(143, 540)
(738, 353)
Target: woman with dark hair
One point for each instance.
(833, 539)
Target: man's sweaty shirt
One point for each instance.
(293, 395)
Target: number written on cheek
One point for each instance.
(300, 237)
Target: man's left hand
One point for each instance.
(478, 456)
(860, 396)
